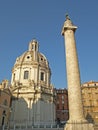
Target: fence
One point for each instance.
(36, 127)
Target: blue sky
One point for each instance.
(22, 20)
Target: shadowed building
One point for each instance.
(62, 112)
(90, 101)
(5, 103)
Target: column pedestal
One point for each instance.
(78, 126)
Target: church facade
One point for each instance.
(32, 101)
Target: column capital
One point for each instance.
(68, 25)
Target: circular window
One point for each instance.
(28, 57)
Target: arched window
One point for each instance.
(35, 47)
(32, 47)
(13, 77)
(4, 85)
(26, 74)
(3, 117)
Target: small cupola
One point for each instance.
(33, 45)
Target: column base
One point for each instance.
(79, 126)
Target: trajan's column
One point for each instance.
(76, 120)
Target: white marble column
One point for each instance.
(76, 115)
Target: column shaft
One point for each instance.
(73, 77)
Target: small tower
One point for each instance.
(33, 46)
(76, 117)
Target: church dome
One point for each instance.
(32, 56)
(31, 65)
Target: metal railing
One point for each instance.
(29, 127)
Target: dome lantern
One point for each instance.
(33, 45)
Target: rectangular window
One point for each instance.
(62, 102)
(26, 74)
(57, 106)
(42, 76)
(62, 97)
(62, 107)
